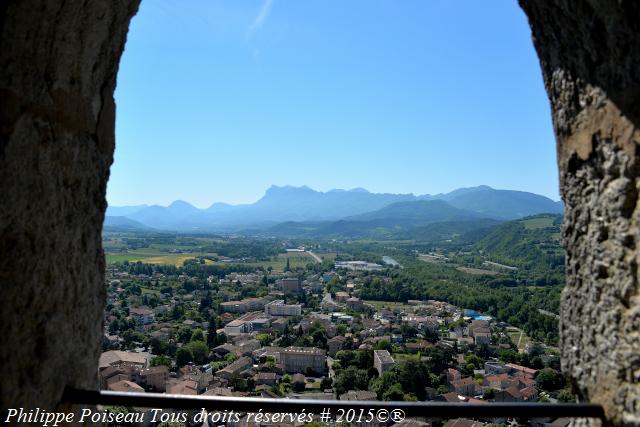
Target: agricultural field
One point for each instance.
(163, 255)
(390, 305)
(326, 256)
(154, 255)
(476, 271)
(538, 222)
(518, 337)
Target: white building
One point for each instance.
(279, 308)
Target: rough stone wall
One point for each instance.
(589, 53)
(58, 65)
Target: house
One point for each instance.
(184, 387)
(280, 324)
(246, 347)
(265, 352)
(342, 296)
(511, 394)
(123, 358)
(154, 378)
(125, 386)
(478, 326)
(336, 344)
(143, 315)
(529, 394)
(355, 303)
(415, 347)
(382, 361)
(235, 368)
(422, 322)
(495, 368)
(525, 382)
(202, 379)
(453, 375)
(223, 349)
(265, 378)
(453, 397)
(359, 395)
(500, 382)
(113, 374)
(522, 369)
(465, 386)
(482, 338)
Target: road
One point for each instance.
(548, 313)
(314, 256)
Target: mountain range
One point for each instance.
(303, 211)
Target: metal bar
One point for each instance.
(249, 404)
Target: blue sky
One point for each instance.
(218, 100)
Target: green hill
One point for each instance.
(531, 244)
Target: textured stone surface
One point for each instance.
(58, 63)
(590, 58)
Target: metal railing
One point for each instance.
(441, 410)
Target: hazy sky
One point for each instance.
(218, 100)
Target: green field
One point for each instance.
(153, 255)
(157, 254)
(328, 256)
(518, 337)
(535, 223)
(390, 305)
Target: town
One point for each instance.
(307, 333)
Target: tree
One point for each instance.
(566, 396)
(158, 346)
(183, 356)
(212, 334)
(264, 339)
(199, 350)
(326, 383)
(160, 360)
(351, 378)
(383, 345)
(489, 394)
(394, 393)
(197, 335)
(413, 376)
(442, 389)
(549, 379)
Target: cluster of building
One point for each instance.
(347, 321)
(508, 382)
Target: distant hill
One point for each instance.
(393, 221)
(504, 204)
(417, 213)
(122, 223)
(532, 243)
(289, 205)
(449, 230)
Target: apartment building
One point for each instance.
(279, 308)
(299, 359)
